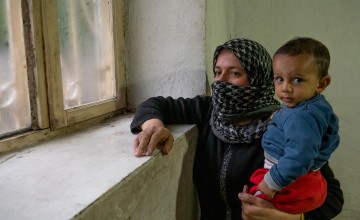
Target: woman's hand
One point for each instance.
(153, 135)
(256, 208)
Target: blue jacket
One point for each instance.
(299, 140)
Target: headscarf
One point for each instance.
(232, 103)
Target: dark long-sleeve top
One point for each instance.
(220, 169)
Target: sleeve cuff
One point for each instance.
(270, 182)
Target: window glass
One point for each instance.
(86, 51)
(14, 93)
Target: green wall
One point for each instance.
(217, 31)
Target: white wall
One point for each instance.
(165, 43)
(217, 31)
(336, 24)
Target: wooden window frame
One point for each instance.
(59, 116)
(43, 62)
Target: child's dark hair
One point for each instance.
(305, 45)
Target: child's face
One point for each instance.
(229, 69)
(296, 78)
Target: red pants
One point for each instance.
(305, 194)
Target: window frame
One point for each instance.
(42, 47)
(59, 116)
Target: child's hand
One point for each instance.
(264, 189)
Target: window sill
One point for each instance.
(93, 174)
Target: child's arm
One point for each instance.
(264, 189)
(303, 150)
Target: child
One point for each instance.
(303, 134)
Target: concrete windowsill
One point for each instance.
(93, 174)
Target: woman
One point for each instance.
(231, 124)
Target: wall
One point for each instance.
(165, 52)
(217, 31)
(335, 23)
(161, 189)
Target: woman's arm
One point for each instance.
(152, 114)
(172, 111)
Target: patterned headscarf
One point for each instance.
(232, 103)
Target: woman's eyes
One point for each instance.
(232, 73)
(236, 74)
(278, 79)
(217, 73)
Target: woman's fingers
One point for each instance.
(140, 144)
(257, 201)
(245, 189)
(147, 140)
(168, 144)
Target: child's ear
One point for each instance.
(323, 83)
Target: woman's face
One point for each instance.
(229, 69)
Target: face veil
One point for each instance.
(232, 103)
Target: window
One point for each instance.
(14, 102)
(61, 63)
